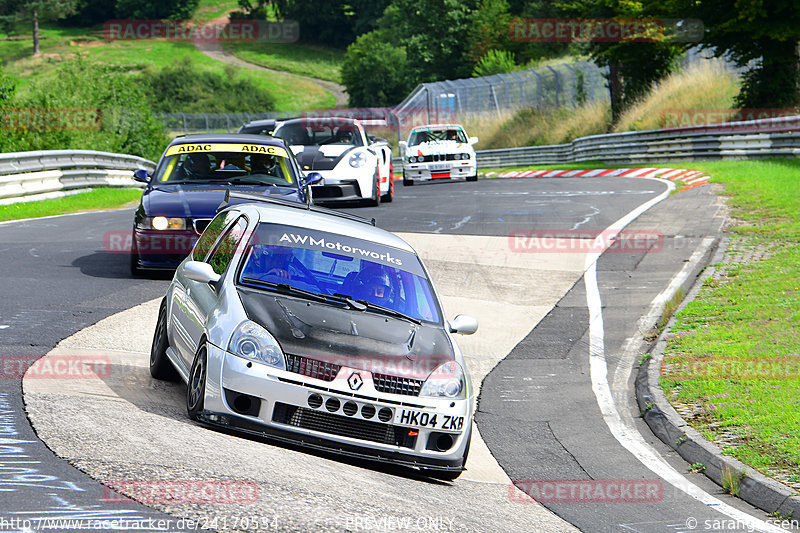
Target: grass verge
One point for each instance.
(299, 58)
(135, 56)
(734, 352)
(102, 198)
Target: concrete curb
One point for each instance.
(754, 488)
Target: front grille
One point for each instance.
(396, 385)
(438, 157)
(331, 424)
(311, 367)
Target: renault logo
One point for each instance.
(355, 381)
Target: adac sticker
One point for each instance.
(226, 147)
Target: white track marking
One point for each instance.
(626, 434)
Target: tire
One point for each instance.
(160, 365)
(375, 200)
(196, 388)
(474, 177)
(406, 181)
(386, 198)
(134, 259)
(450, 475)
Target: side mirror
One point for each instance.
(311, 178)
(141, 175)
(202, 272)
(473, 140)
(464, 325)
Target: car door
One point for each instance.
(180, 322)
(202, 297)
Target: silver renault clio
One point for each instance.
(313, 326)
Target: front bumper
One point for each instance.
(429, 171)
(339, 186)
(162, 250)
(328, 415)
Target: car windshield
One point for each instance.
(434, 135)
(338, 266)
(227, 164)
(317, 133)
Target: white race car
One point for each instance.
(438, 151)
(353, 165)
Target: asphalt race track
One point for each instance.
(555, 410)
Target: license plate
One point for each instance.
(424, 419)
(439, 166)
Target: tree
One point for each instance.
(433, 33)
(155, 9)
(32, 11)
(375, 72)
(764, 32)
(633, 65)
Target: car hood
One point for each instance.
(324, 157)
(356, 339)
(201, 200)
(439, 147)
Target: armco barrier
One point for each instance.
(47, 171)
(774, 137)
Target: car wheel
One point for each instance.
(135, 270)
(406, 181)
(474, 177)
(388, 196)
(375, 200)
(196, 389)
(450, 475)
(160, 365)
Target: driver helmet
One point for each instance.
(377, 287)
(262, 161)
(196, 165)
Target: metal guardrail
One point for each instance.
(774, 137)
(24, 174)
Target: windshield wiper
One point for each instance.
(388, 311)
(286, 288)
(357, 305)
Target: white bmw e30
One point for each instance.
(438, 151)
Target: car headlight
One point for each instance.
(464, 156)
(358, 160)
(162, 223)
(255, 343)
(412, 159)
(447, 381)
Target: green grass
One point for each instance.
(305, 59)
(58, 43)
(102, 198)
(734, 352)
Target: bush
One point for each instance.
(495, 62)
(375, 72)
(128, 124)
(186, 87)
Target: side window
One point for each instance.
(223, 253)
(211, 233)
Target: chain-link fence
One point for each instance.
(548, 86)
(442, 101)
